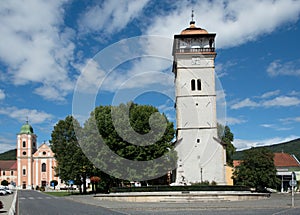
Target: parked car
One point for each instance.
(1, 205)
(2, 192)
(8, 191)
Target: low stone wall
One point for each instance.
(193, 196)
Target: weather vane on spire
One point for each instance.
(192, 22)
(27, 119)
(192, 15)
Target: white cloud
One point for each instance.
(277, 68)
(6, 146)
(33, 115)
(111, 16)
(241, 144)
(234, 121)
(222, 68)
(236, 22)
(270, 94)
(2, 94)
(276, 127)
(244, 103)
(135, 63)
(290, 119)
(91, 76)
(267, 125)
(294, 93)
(36, 47)
(281, 101)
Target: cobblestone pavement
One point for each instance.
(276, 204)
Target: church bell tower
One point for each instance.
(26, 146)
(201, 156)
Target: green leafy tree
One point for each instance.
(72, 164)
(118, 125)
(257, 170)
(225, 134)
(4, 183)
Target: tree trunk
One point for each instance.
(84, 184)
(93, 187)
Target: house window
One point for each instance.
(3, 173)
(193, 84)
(11, 172)
(24, 171)
(198, 84)
(24, 144)
(43, 167)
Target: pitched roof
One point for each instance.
(8, 164)
(237, 163)
(285, 160)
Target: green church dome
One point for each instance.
(26, 129)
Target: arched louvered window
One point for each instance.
(193, 84)
(43, 167)
(198, 84)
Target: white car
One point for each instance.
(2, 192)
(8, 190)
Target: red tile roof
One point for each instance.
(237, 163)
(8, 164)
(280, 160)
(285, 160)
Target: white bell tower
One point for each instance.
(201, 156)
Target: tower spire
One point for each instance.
(192, 22)
(192, 15)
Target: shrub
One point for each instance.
(163, 188)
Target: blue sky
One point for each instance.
(46, 47)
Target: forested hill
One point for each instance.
(9, 155)
(290, 147)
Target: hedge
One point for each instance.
(162, 188)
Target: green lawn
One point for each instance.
(59, 194)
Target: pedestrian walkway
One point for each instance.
(277, 201)
(7, 201)
(38, 198)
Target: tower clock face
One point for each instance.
(196, 61)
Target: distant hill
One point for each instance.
(9, 155)
(290, 147)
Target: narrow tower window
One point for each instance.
(24, 144)
(193, 84)
(24, 171)
(43, 167)
(198, 84)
